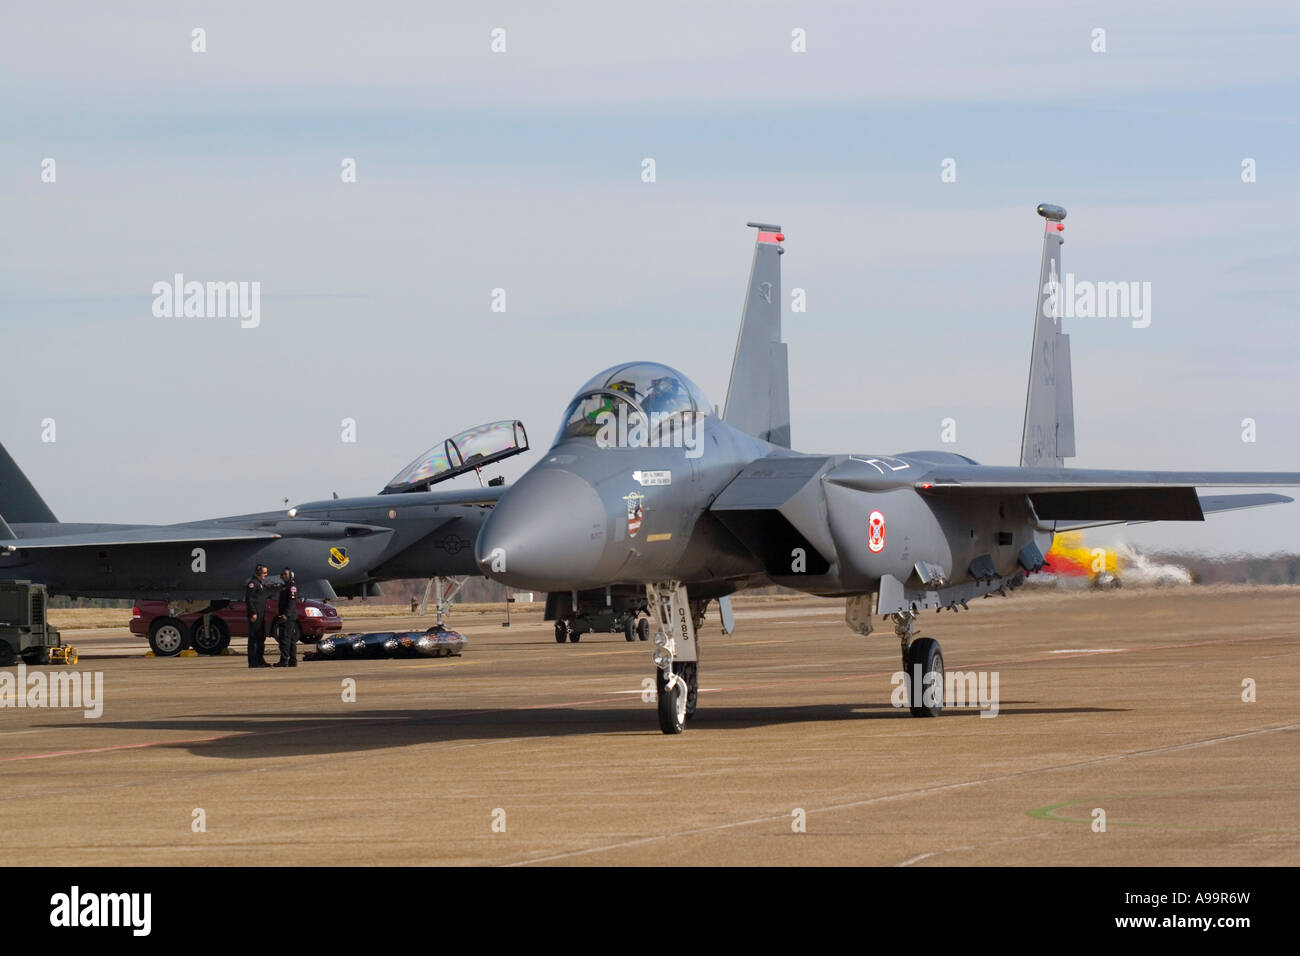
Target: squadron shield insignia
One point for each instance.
(338, 558)
(876, 532)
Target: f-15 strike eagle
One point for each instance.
(338, 546)
(647, 499)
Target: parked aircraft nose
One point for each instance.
(547, 533)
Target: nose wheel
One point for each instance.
(677, 697)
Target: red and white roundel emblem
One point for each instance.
(876, 532)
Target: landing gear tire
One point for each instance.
(209, 640)
(7, 655)
(643, 629)
(672, 703)
(924, 658)
(561, 632)
(629, 629)
(691, 673)
(677, 706)
(574, 635)
(168, 636)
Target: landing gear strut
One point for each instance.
(922, 665)
(676, 654)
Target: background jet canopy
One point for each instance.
(660, 393)
(462, 452)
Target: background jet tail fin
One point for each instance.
(758, 395)
(19, 501)
(1048, 437)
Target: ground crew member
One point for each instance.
(255, 597)
(288, 619)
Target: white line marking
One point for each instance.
(1091, 650)
(906, 794)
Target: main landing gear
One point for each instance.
(922, 665)
(563, 632)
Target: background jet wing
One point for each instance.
(486, 497)
(124, 537)
(1102, 496)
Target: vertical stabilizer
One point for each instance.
(758, 395)
(1048, 437)
(19, 501)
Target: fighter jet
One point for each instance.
(338, 546)
(649, 499)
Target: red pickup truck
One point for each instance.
(170, 634)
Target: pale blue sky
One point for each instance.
(521, 171)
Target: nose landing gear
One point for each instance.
(676, 654)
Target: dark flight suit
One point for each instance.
(255, 597)
(289, 628)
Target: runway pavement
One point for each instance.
(525, 751)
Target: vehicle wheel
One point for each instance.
(7, 655)
(212, 639)
(561, 632)
(168, 636)
(925, 657)
(672, 704)
(629, 629)
(643, 629)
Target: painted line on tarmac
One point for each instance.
(1034, 659)
(1049, 812)
(784, 817)
(100, 750)
(967, 849)
(372, 721)
(599, 700)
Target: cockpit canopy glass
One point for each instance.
(654, 396)
(460, 453)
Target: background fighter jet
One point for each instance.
(336, 546)
(647, 496)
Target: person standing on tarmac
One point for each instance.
(255, 597)
(288, 619)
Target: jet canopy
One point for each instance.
(460, 453)
(637, 394)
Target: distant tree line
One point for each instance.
(1236, 568)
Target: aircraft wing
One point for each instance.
(1078, 495)
(125, 537)
(1210, 504)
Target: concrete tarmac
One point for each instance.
(524, 751)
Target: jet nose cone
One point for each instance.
(546, 533)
